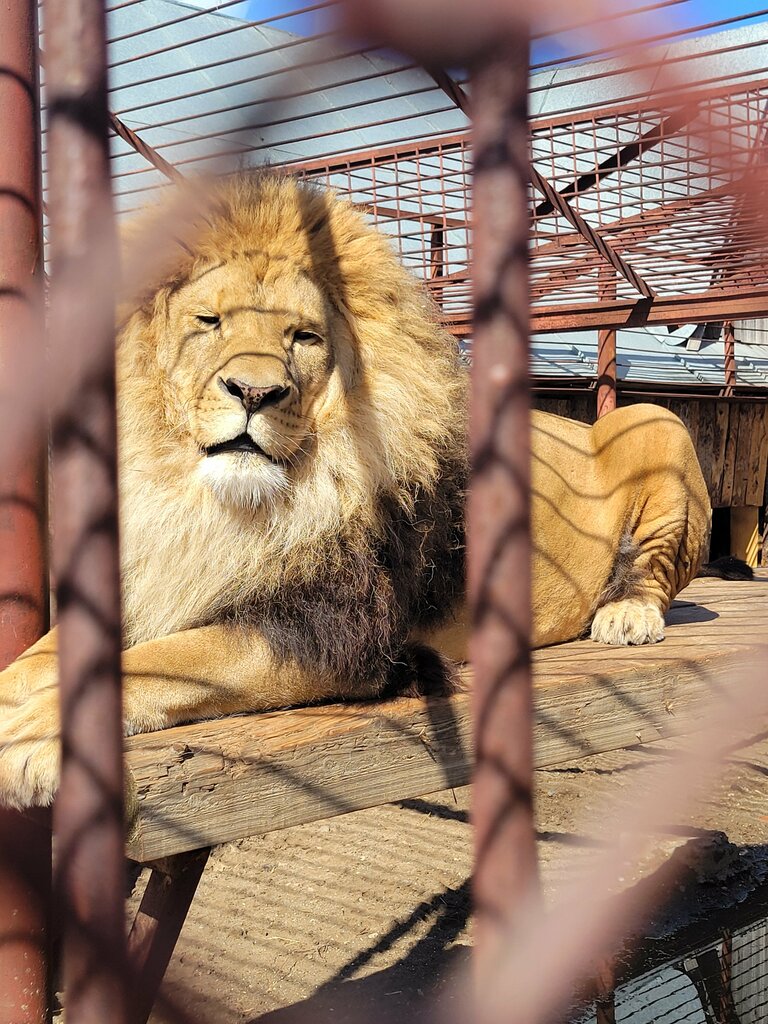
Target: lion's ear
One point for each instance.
(160, 304)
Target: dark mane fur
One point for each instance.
(351, 618)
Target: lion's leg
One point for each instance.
(28, 672)
(212, 671)
(187, 676)
(662, 551)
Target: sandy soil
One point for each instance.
(363, 916)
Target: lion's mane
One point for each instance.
(368, 544)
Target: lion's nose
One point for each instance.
(254, 397)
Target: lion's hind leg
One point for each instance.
(666, 529)
(658, 556)
(627, 614)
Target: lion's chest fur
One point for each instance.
(177, 558)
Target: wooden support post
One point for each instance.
(745, 533)
(158, 923)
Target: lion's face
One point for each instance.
(254, 354)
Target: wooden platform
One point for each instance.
(198, 785)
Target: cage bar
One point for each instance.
(25, 846)
(88, 813)
(498, 545)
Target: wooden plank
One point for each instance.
(729, 461)
(211, 782)
(705, 444)
(719, 444)
(206, 783)
(745, 533)
(758, 458)
(741, 466)
(694, 421)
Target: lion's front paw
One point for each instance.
(629, 622)
(30, 751)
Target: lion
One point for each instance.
(292, 472)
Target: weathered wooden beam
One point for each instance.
(207, 783)
(158, 923)
(197, 785)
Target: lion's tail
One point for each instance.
(727, 568)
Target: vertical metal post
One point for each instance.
(729, 340)
(88, 815)
(606, 350)
(25, 845)
(605, 993)
(499, 551)
(606, 372)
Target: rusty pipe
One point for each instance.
(88, 814)
(25, 844)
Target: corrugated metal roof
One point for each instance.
(646, 355)
(195, 83)
(212, 81)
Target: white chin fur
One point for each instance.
(246, 481)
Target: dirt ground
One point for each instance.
(363, 916)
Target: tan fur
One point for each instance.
(376, 410)
(633, 477)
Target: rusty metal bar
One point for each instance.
(25, 843)
(729, 340)
(143, 148)
(672, 125)
(675, 309)
(88, 815)
(499, 553)
(605, 993)
(595, 239)
(606, 353)
(606, 372)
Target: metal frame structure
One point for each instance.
(602, 239)
(25, 883)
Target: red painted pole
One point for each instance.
(606, 372)
(499, 551)
(25, 843)
(606, 349)
(88, 815)
(730, 357)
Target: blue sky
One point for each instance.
(688, 14)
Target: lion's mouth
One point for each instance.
(242, 443)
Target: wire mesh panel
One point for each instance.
(675, 188)
(418, 195)
(649, 149)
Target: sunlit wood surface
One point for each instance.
(211, 782)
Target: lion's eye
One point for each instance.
(307, 337)
(209, 318)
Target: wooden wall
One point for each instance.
(731, 439)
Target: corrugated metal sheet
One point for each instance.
(197, 84)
